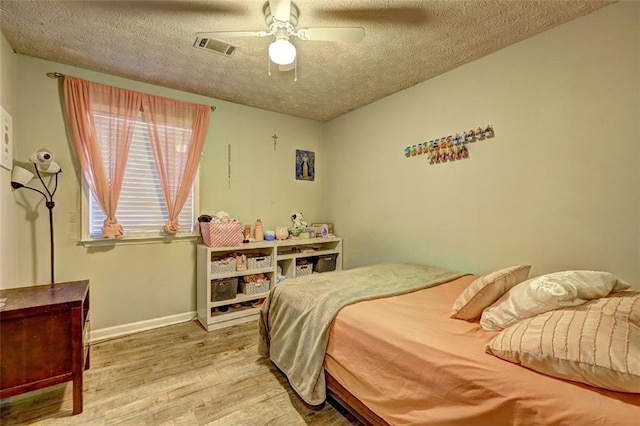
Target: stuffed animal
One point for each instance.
(282, 233)
(223, 216)
(298, 221)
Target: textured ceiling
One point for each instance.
(406, 42)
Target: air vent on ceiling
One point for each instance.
(215, 46)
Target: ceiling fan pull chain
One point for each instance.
(295, 70)
(268, 65)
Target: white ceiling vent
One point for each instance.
(215, 46)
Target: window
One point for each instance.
(141, 208)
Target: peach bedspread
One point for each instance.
(411, 364)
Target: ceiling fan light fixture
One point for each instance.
(282, 51)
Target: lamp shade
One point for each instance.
(52, 167)
(282, 51)
(43, 159)
(20, 176)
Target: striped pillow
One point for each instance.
(597, 343)
(482, 292)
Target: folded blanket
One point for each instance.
(295, 318)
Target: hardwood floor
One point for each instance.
(176, 375)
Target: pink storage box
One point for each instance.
(221, 234)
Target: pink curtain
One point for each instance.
(176, 151)
(103, 174)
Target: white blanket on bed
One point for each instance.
(295, 318)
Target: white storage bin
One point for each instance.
(259, 262)
(256, 287)
(223, 266)
(304, 269)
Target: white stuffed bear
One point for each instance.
(298, 221)
(222, 217)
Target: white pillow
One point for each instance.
(546, 293)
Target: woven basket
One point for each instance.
(304, 270)
(256, 287)
(259, 262)
(223, 266)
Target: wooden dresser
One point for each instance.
(44, 338)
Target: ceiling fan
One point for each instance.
(281, 17)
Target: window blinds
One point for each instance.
(141, 209)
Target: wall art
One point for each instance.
(449, 148)
(305, 165)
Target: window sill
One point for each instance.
(156, 239)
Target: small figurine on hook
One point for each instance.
(488, 131)
(471, 135)
(464, 152)
(455, 153)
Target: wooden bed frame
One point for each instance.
(352, 404)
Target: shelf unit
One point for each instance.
(283, 253)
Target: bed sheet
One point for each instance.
(411, 364)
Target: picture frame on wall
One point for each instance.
(305, 165)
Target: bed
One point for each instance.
(396, 357)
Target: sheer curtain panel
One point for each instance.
(103, 174)
(177, 132)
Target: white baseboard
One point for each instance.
(136, 327)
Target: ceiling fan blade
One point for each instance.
(412, 15)
(280, 9)
(224, 34)
(349, 34)
(181, 7)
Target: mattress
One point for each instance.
(411, 364)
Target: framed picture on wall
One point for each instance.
(305, 165)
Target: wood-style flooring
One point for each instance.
(176, 375)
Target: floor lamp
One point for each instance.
(43, 162)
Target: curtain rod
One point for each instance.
(60, 75)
